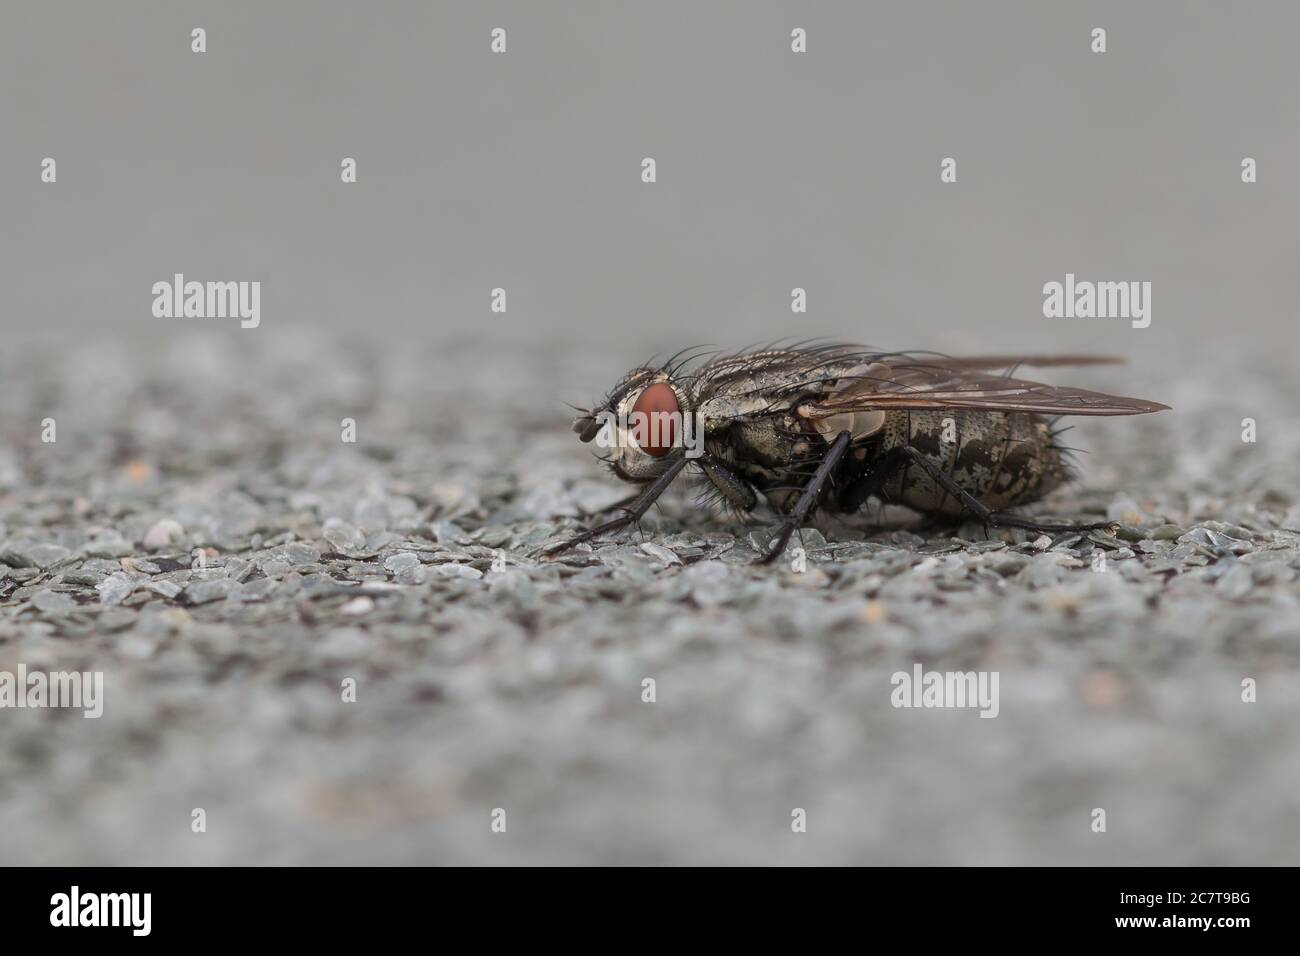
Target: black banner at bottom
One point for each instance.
(336, 905)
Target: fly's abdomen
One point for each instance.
(1001, 459)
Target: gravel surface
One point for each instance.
(487, 679)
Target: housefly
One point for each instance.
(827, 427)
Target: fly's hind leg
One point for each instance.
(808, 499)
(999, 519)
(983, 512)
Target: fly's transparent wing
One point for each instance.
(906, 383)
(1007, 361)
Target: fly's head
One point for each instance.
(642, 424)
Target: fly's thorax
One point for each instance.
(769, 452)
(789, 372)
(722, 409)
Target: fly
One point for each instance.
(828, 427)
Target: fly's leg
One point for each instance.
(853, 496)
(983, 512)
(621, 505)
(808, 499)
(735, 490)
(1001, 520)
(631, 515)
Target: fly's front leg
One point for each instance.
(631, 514)
(621, 505)
(808, 499)
(983, 512)
(735, 490)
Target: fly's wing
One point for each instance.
(1006, 361)
(905, 383)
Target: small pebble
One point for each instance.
(115, 588)
(165, 532)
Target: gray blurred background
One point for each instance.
(520, 689)
(775, 170)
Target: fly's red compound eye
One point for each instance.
(656, 410)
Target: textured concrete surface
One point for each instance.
(520, 687)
